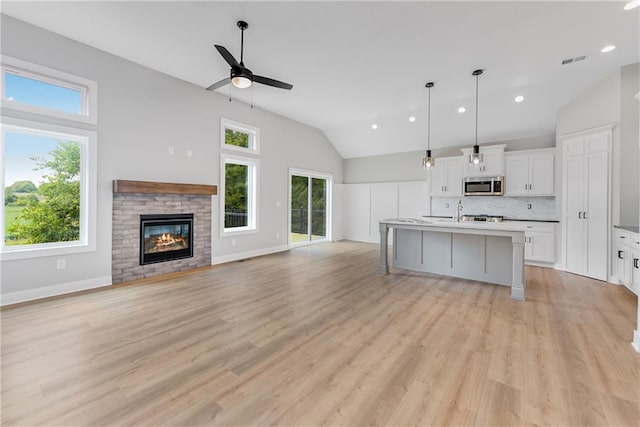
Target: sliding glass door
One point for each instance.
(309, 209)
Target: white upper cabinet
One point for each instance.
(446, 177)
(492, 163)
(530, 173)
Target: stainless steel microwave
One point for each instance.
(484, 186)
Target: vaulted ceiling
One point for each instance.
(354, 64)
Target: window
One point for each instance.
(239, 194)
(48, 178)
(41, 90)
(239, 137)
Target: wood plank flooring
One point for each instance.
(314, 336)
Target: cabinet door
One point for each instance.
(623, 264)
(413, 200)
(492, 164)
(438, 178)
(576, 242)
(541, 247)
(634, 268)
(596, 212)
(516, 175)
(453, 186)
(541, 174)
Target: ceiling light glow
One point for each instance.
(607, 48)
(519, 98)
(461, 110)
(412, 119)
(374, 126)
(632, 5)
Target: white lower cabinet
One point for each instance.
(540, 242)
(627, 259)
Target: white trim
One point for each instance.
(88, 89)
(253, 190)
(636, 340)
(88, 190)
(329, 208)
(608, 128)
(248, 254)
(253, 132)
(50, 291)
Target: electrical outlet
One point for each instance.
(61, 264)
(189, 153)
(278, 236)
(233, 242)
(278, 205)
(171, 151)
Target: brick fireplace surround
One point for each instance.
(130, 200)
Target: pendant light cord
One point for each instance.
(242, 46)
(429, 122)
(477, 75)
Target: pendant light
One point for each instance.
(476, 157)
(428, 161)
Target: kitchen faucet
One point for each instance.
(459, 208)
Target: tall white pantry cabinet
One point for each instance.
(586, 206)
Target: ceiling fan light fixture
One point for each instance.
(241, 82)
(632, 5)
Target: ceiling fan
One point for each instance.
(242, 77)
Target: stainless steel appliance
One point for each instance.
(481, 218)
(484, 186)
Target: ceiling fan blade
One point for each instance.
(227, 56)
(219, 84)
(271, 82)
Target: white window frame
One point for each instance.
(252, 199)
(253, 132)
(87, 88)
(88, 189)
(329, 217)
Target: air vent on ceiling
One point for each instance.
(576, 59)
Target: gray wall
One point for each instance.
(407, 166)
(629, 140)
(141, 113)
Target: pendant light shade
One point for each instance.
(476, 157)
(428, 161)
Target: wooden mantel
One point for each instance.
(148, 187)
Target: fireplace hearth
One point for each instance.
(165, 237)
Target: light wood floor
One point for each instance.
(314, 336)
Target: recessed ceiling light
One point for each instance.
(461, 110)
(412, 119)
(607, 48)
(374, 126)
(632, 5)
(519, 98)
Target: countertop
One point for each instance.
(450, 223)
(505, 219)
(630, 228)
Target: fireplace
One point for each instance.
(165, 237)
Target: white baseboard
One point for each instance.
(50, 291)
(540, 264)
(249, 254)
(636, 340)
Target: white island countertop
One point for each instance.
(450, 223)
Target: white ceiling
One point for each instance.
(357, 63)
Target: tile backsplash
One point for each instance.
(540, 208)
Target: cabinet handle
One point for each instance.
(525, 186)
(584, 215)
(620, 254)
(580, 215)
(635, 263)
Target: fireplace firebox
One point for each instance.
(165, 237)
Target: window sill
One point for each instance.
(238, 232)
(22, 252)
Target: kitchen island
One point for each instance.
(488, 252)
